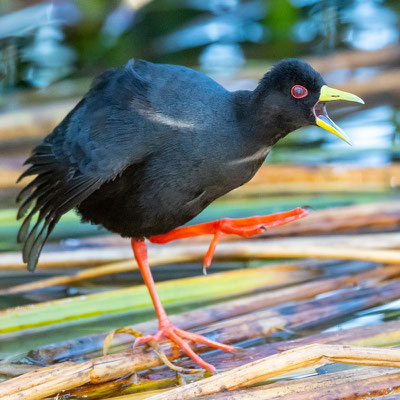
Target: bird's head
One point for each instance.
(294, 95)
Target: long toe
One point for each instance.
(202, 339)
(178, 336)
(148, 338)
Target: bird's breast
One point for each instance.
(241, 168)
(247, 160)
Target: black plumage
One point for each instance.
(151, 145)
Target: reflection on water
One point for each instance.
(228, 24)
(371, 25)
(359, 24)
(33, 48)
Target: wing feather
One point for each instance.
(104, 134)
(55, 190)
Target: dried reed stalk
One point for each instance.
(364, 242)
(238, 250)
(289, 178)
(380, 215)
(278, 364)
(49, 380)
(386, 334)
(108, 269)
(33, 122)
(228, 310)
(354, 384)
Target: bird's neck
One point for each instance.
(261, 120)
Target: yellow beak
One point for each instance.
(321, 116)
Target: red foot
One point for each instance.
(169, 331)
(242, 226)
(166, 329)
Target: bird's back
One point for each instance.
(141, 129)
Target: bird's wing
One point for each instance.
(54, 191)
(104, 134)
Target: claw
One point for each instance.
(244, 227)
(177, 335)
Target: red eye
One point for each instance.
(298, 91)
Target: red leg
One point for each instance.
(245, 227)
(166, 329)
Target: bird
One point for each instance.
(150, 146)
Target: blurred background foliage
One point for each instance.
(42, 42)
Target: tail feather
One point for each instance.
(32, 170)
(34, 244)
(24, 229)
(24, 207)
(55, 190)
(27, 190)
